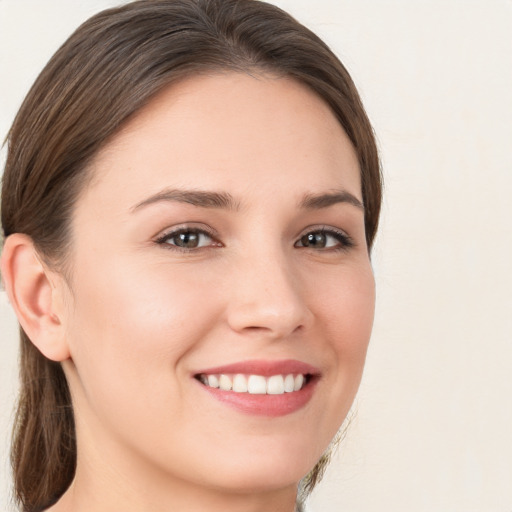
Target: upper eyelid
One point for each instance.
(324, 228)
(201, 228)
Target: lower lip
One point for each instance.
(264, 405)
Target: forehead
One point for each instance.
(229, 131)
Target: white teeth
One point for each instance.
(225, 383)
(213, 381)
(299, 381)
(255, 384)
(289, 383)
(240, 383)
(275, 385)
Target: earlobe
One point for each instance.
(36, 300)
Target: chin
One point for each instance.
(266, 469)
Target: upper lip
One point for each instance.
(265, 368)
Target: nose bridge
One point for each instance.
(267, 293)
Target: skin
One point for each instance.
(137, 318)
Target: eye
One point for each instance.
(187, 239)
(325, 239)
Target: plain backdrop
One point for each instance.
(433, 419)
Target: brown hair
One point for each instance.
(103, 74)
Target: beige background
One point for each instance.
(433, 424)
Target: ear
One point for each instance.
(36, 294)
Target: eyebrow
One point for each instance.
(319, 201)
(224, 200)
(200, 198)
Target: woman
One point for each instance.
(190, 197)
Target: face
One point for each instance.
(220, 243)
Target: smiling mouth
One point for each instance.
(255, 384)
(267, 388)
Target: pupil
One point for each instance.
(189, 240)
(314, 240)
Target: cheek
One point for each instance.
(345, 307)
(357, 314)
(131, 327)
(138, 303)
(346, 311)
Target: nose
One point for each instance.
(267, 298)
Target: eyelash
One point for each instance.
(164, 239)
(345, 241)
